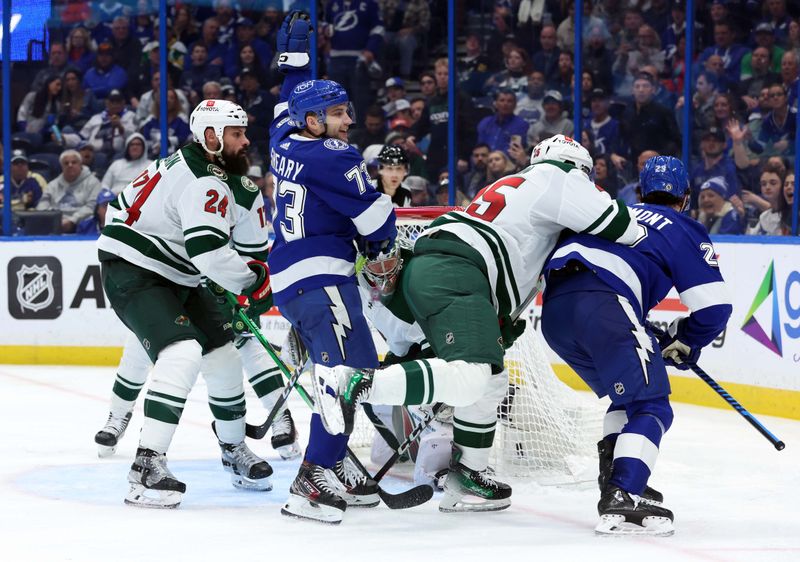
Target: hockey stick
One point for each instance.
(259, 431)
(412, 437)
(404, 500)
(776, 442)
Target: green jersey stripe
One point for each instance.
(202, 244)
(599, 220)
(229, 412)
(128, 383)
(177, 399)
(145, 246)
(618, 225)
(263, 244)
(204, 227)
(162, 412)
(429, 374)
(224, 401)
(163, 243)
(472, 426)
(122, 198)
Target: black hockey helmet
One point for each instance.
(392, 155)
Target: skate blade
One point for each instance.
(289, 452)
(244, 483)
(104, 451)
(616, 525)
(139, 496)
(302, 508)
(457, 503)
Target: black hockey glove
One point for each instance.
(259, 294)
(510, 330)
(675, 352)
(294, 41)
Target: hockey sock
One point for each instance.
(222, 370)
(174, 374)
(323, 448)
(131, 376)
(264, 375)
(636, 449)
(427, 381)
(124, 395)
(614, 420)
(474, 425)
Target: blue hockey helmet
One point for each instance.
(664, 173)
(315, 96)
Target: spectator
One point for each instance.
(77, 103)
(770, 221)
(498, 165)
(714, 163)
(529, 106)
(124, 170)
(210, 38)
(56, 65)
(629, 62)
(662, 95)
(212, 91)
(227, 18)
(647, 125)
(765, 39)
(26, 187)
(184, 25)
(789, 74)
(724, 46)
(554, 122)
(40, 109)
(473, 68)
(630, 193)
(259, 54)
(779, 125)
(106, 131)
(398, 113)
(715, 66)
(259, 105)
(89, 157)
(515, 76)
(178, 131)
(605, 175)
(199, 72)
(74, 192)
(427, 84)
(356, 36)
(760, 76)
(502, 31)
(80, 53)
(443, 193)
(778, 19)
(625, 39)
(142, 26)
(546, 59)
(417, 109)
(229, 93)
(126, 49)
(392, 171)
(499, 129)
(145, 107)
(476, 178)
(716, 213)
(407, 22)
(605, 129)
(374, 130)
(95, 223)
(598, 59)
(107, 10)
(566, 74)
(788, 198)
(419, 190)
(566, 29)
(105, 76)
(395, 89)
(705, 92)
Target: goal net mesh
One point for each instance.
(546, 431)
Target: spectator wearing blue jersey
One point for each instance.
(210, 38)
(529, 106)
(105, 76)
(324, 202)
(612, 349)
(716, 213)
(714, 162)
(178, 131)
(201, 71)
(545, 60)
(724, 46)
(497, 130)
(95, 223)
(605, 129)
(246, 36)
(778, 128)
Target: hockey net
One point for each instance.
(546, 431)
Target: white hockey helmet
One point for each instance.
(216, 114)
(564, 149)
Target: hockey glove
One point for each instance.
(675, 352)
(373, 248)
(293, 42)
(510, 330)
(259, 293)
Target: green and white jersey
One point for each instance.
(185, 217)
(515, 223)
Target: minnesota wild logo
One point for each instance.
(182, 320)
(217, 171)
(248, 184)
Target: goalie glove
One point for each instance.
(294, 42)
(675, 352)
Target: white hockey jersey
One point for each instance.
(185, 217)
(514, 224)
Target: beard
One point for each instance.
(236, 162)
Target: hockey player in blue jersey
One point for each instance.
(597, 297)
(324, 202)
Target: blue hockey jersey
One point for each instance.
(676, 252)
(357, 25)
(324, 199)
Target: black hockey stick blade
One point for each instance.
(405, 500)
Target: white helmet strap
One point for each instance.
(219, 131)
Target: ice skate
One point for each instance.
(248, 471)
(284, 436)
(359, 491)
(108, 437)
(605, 452)
(470, 490)
(622, 513)
(313, 495)
(152, 484)
(354, 388)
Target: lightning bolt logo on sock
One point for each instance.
(341, 317)
(644, 345)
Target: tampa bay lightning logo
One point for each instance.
(345, 21)
(336, 144)
(303, 86)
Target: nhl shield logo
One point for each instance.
(619, 388)
(35, 289)
(449, 338)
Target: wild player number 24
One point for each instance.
(489, 201)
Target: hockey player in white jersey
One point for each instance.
(181, 219)
(472, 274)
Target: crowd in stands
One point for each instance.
(91, 118)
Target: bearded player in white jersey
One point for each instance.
(486, 261)
(183, 218)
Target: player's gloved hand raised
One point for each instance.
(373, 248)
(675, 352)
(260, 292)
(511, 330)
(293, 41)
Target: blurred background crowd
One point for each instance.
(87, 118)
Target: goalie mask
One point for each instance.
(381, 273)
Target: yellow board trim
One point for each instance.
(757, 399)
